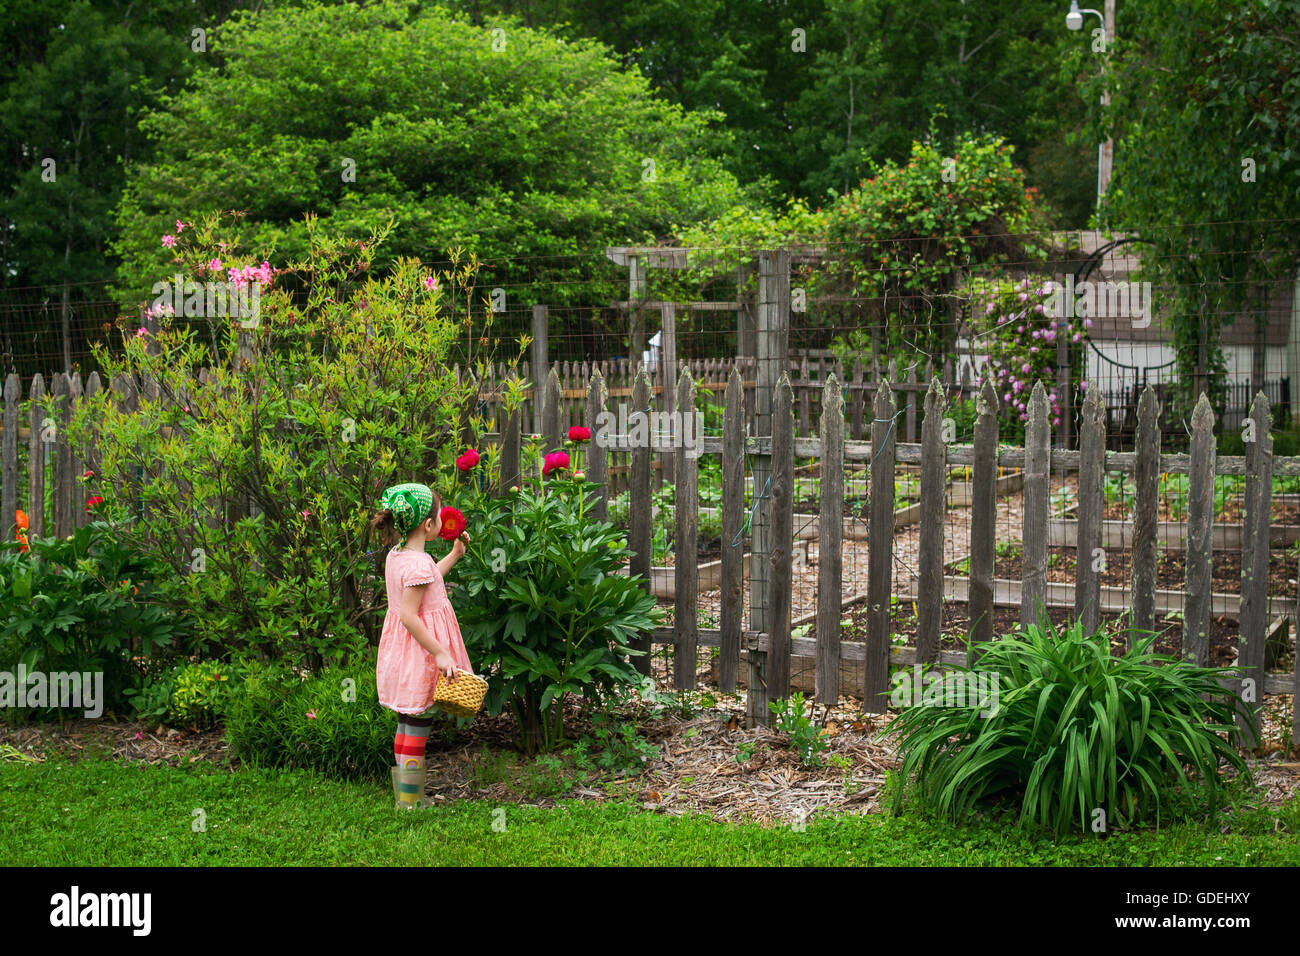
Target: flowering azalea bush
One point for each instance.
(252, 488)
(1015, 324)
(545, 613)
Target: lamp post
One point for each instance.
(1105, 150)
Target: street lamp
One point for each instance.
(1105, 151)
(1074, 19)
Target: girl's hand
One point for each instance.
(458, 546)
(446, 665)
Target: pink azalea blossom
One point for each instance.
(311, 714)
(1006, 397)
(989, 310)
(214, 265)
(180, 226)
(1083, 386)
(1056, 420)
(1039, 308)
(431, 282)
(141, 332)
(1023, 296)
(1025, 368)
(1087, 323)
(169, 240)
(1078, 336)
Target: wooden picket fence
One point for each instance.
(859, 432)
(770, 647)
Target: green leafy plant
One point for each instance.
(84, 603)
(541, 600)
(806, 738)
(201, 693)
(613, 745)
(331, 722)
(252, 490)
(1073, 730)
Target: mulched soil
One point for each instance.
(1232, 512)
(697, 770)
(1171, 569)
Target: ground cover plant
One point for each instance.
(1077, 729)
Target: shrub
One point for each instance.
(257, 484)
(1073, 729)
(541, 600)
(87, 602)
(201, 693)
(332, 722)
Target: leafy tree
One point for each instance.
(1204, 109)
(509, 143)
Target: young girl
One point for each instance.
(421, 639)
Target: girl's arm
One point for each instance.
(449, 562)
(410, 613)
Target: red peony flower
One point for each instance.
(555, 461)
(453, 523)
(468, 460)
(579, 433)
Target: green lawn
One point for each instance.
(100, 812)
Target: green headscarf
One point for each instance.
(409, 503)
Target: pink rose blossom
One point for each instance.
(1025, 368)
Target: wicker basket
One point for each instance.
(462, 697)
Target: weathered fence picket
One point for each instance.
(1200, 535)
(1254, 569)
(830, 534)
(597, 461)
(983, 518)
(640, 504)
(1033, 594)
(780, 581)
(934, 480)
(1147, 488)
(686, 512)
(1091, 502)
(733, 507)
(880, 557)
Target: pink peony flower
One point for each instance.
(555, 461)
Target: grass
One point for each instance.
(100, 812)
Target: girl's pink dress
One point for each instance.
(405, 672)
